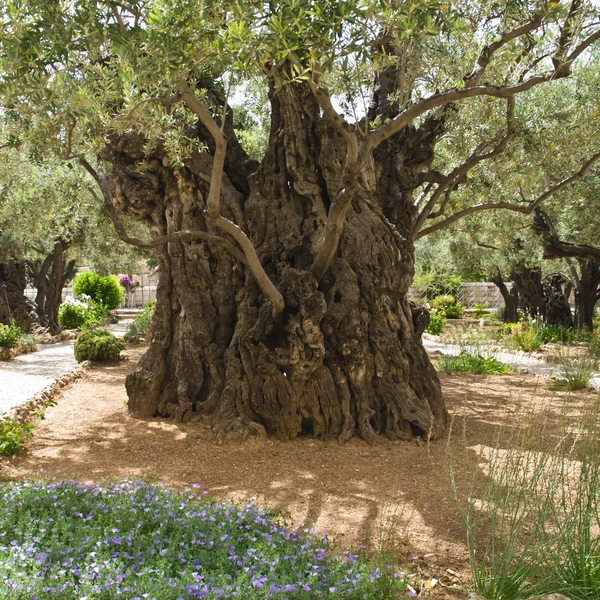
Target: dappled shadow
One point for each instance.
(389, 494)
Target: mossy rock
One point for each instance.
(97, 345)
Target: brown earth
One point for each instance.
(392, 496)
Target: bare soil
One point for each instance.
(391, 496)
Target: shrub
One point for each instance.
(104, 290)
(139, 329)
(448, 304)
(75, 313)
(499, 311)
(479, 310)
(98, 345)
(437, 321)
(9, 335)
(430, 285)
(13, 436)
(69, 541)
(466, 362)
(72, 313)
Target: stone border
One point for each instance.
(23, 412)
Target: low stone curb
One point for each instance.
(23, 412)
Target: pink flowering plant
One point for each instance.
(133, 540)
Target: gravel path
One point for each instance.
(28, 374)
(519, 362)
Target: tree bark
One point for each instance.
(14, 305)
(346, 358)
(528, 283)
(587, 294)
(510, 297)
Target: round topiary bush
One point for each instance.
(97, 345)
(105, 290)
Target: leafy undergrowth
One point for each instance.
(134, 540)
(466, 362)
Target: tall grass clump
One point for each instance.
(531, 514)
(577, 370)
(133, 540)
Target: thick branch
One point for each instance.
(322, 96)
(213, 208)
(486, 54)
(525, 209)
(557, 248)
(566, 34)
(180, 236)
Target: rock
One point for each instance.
(474, 596)
(551, 597)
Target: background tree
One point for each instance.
(282, 303)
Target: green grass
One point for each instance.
(467, 362)
(576, 371)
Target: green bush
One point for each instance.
(13, 436)
(104, 290)
(98, 345)
(449, 306)
(437, 321)
(139, 329)
(9, 335)
(72, 315)
(75, 314)
(479, 310)
(431, 285)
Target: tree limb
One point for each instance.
(386, 131)
(557, 248)
(486, 54)
(525, 209)
(180, 236)
(453, 178)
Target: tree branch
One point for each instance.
(386, 131)
(526, 209)
(321, 94)
(486, 54)
(454, 177)
(180, 236)
(213, 208)
(557, 248)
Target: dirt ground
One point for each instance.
(391, 495)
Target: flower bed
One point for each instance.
(134, 540)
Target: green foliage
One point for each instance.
(14, 435)
(76, 314)
(70, 541)
(434, 284)
(9, 335)
(97, 345)
(105, 290)
(138, 330)
(437, 322)
(449, 306)
(499, 311)
(479, 310)
(577, 371)
(466, 362)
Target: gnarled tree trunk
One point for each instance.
(587, 294)
(346, 358)
(510, 297)
(14, 305)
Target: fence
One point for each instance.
(469, 294)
